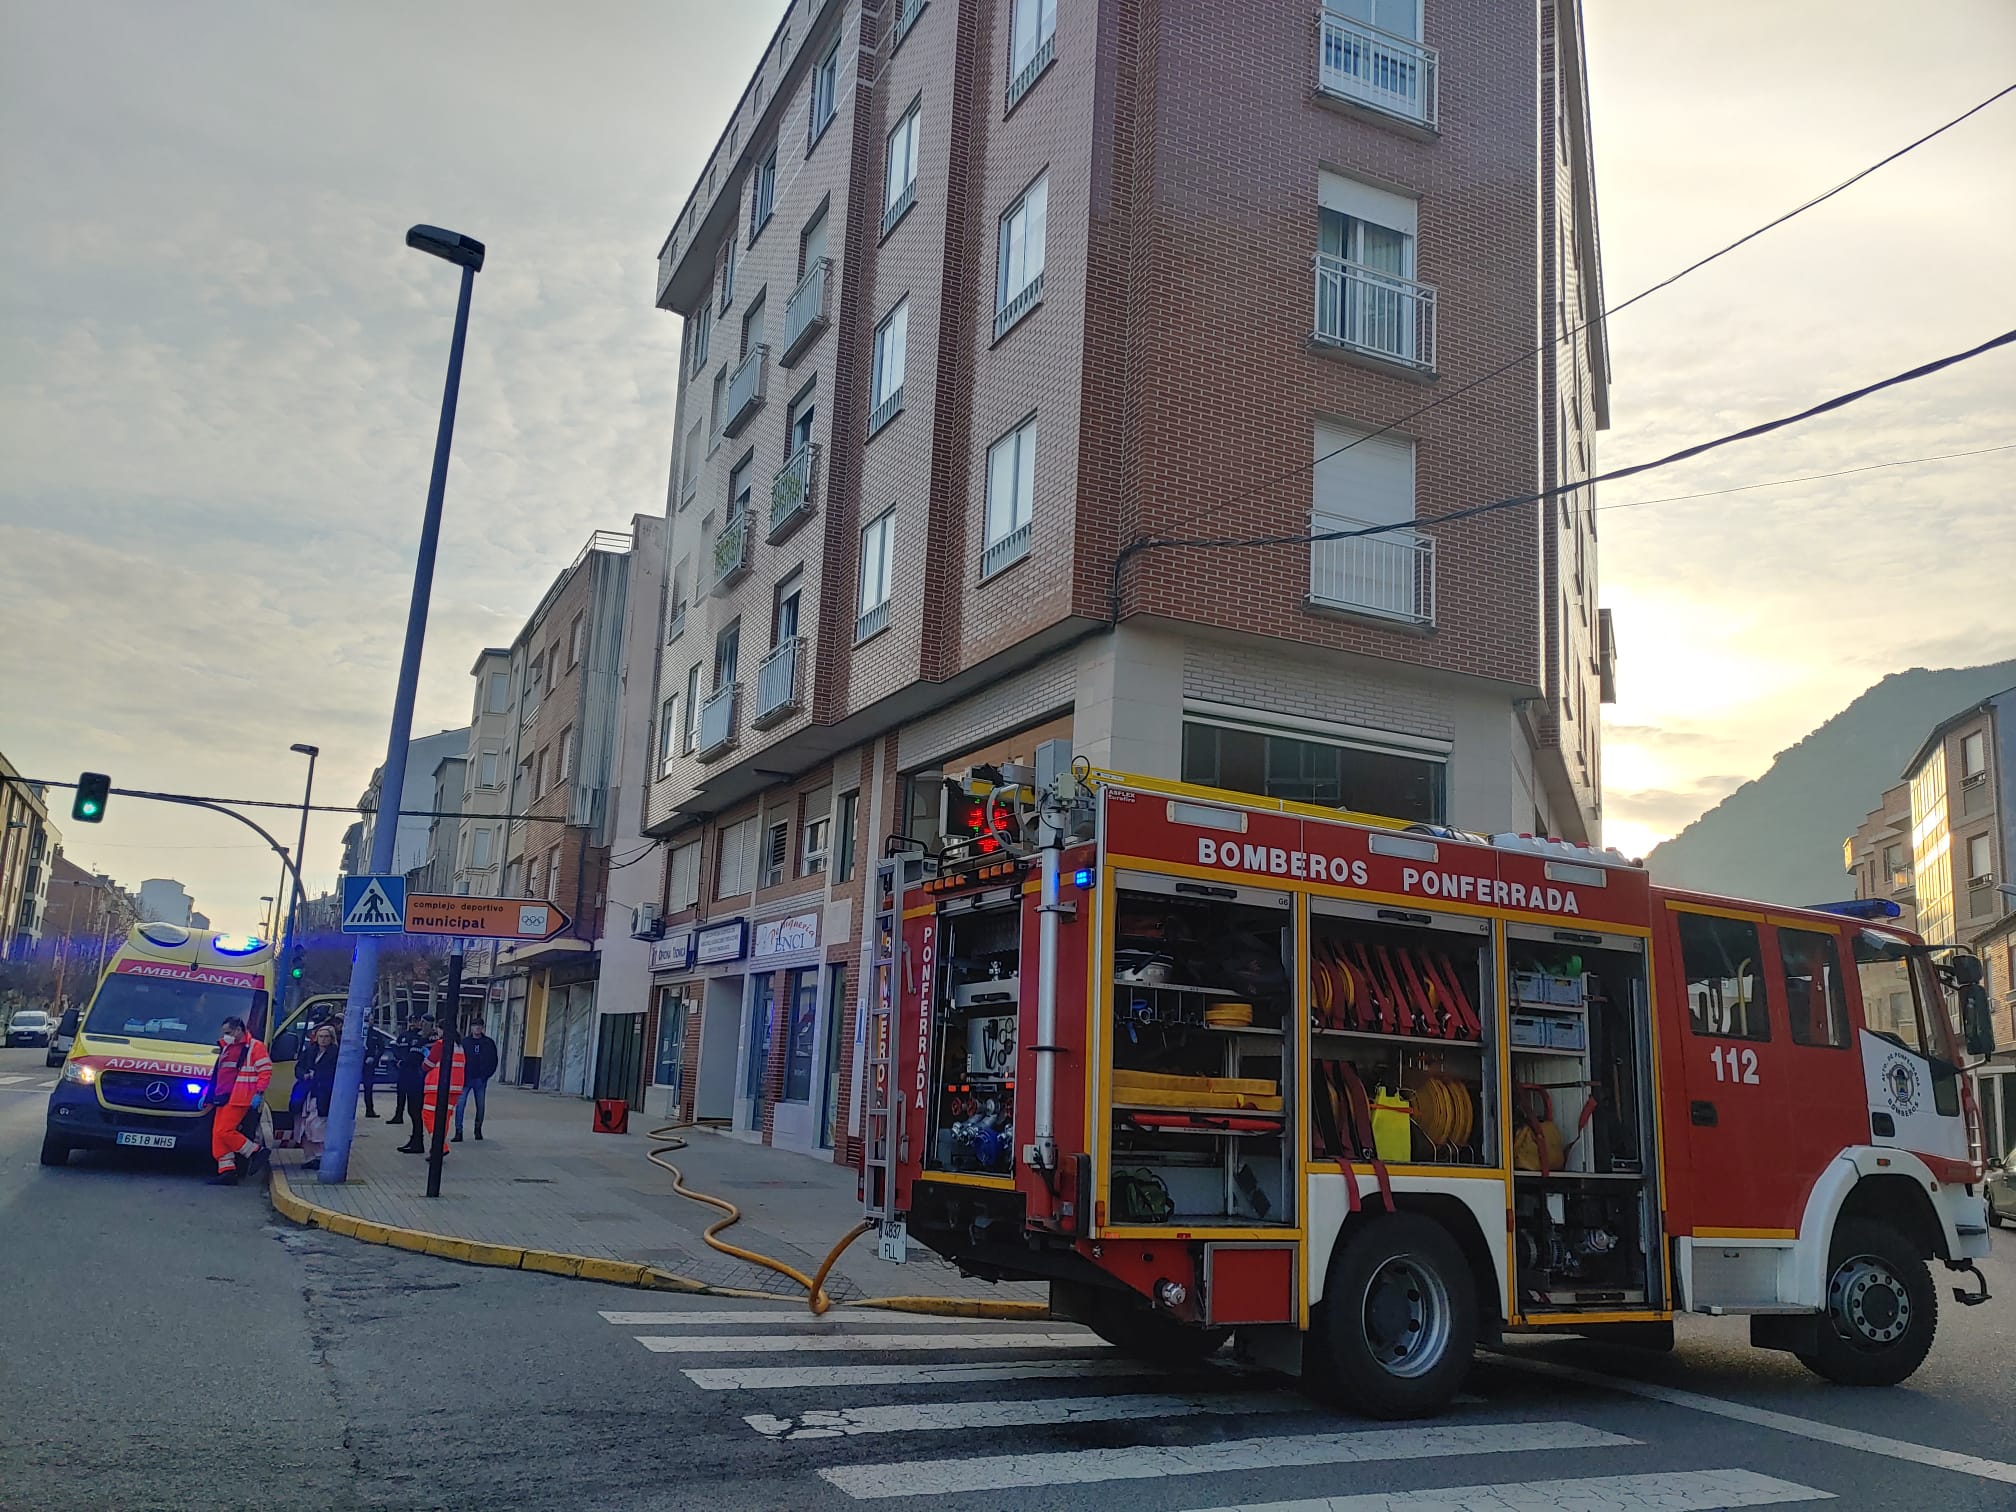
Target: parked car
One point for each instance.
(64, 1037)
(2001, 1190)
(29, 1026)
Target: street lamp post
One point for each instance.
(466, 254)
(266, 917)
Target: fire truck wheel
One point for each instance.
(1882, 1308)
(1400, 1318)
(1145, 1335)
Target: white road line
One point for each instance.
(820, 1377)
(793, 1343)
(1783, 1422)
(939, 1417)
(1671, 1491)
(867, 1317)
(1000, 1472)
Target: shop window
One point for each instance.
(1816, 999)
(1725, 983)
(1338, 774)
(802, 993)
(670, 1059)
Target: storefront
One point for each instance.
(674, 1004)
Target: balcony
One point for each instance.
(717, 723)
(890, 407)
(1026, 77)
(1011, 548)
(745, 391)
(907, 12)
(870, 622)
(899, 207)
(1389, 576)
(731, 552)
(1379, 314)
(805, 312)
(777, 695)
(1011, 312)
(1363, 65)
(791, 492)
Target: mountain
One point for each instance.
(1778, 839)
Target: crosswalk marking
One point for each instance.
(15, 1078)
(999, 1472)
(1669, 1491)
(839, 1317)
(819, 1377)
(793, 1343)
(938, 1417)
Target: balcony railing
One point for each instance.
(1030, 297)
(675, 623)
(890, 407)
(805, 312)
(907, 12)
(895, 210)
(777, 684)
(871, 621)
(1903, 880)
(1380, 314)
(791, 491)
(745, 391)
(1390, 576)
(1012, 547)
(1372, 67)
(717, 723)
(731, 552)
(1025, 77)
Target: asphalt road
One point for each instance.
(164, 1344)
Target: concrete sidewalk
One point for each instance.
(542, 1179)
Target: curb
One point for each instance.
(635, 1273)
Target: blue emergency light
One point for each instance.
(1861, 908)
(1082, 877)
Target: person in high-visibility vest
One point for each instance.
(244, 1070)
(432, 1109)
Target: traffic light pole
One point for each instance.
(392, 786)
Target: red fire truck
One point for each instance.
(1366, 1093)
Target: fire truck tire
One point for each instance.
(1882, 1308)
(1399, 1318)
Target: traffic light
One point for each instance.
(93, 788)
(294, 971)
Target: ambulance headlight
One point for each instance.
(74, 1071)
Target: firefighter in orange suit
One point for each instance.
(432, 1109)
(244, 1070)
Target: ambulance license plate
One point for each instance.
(149, 1141)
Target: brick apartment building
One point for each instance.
(980, 297)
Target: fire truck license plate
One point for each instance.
(894, 1245)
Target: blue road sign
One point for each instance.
(374, 905)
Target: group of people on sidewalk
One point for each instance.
(245, 1070)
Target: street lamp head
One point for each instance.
(305, 750)
(450, 246)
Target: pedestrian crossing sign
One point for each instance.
(374, 905)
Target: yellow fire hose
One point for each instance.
(815, 1284)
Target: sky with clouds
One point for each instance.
(220, 370)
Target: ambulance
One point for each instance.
(1365, 1094)
(138, 1075)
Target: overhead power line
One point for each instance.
(1844, 472)
(1763, 428)
(277, 803)
(1302, 468)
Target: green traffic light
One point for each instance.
(87, 808)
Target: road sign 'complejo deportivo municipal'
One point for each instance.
(374, 905)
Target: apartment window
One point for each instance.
(878, 563)
(577, 640)
(825, 96)
(486, 769)
(798, 419)
(500, 693)
(532, 879)
(566, 755)
(816, 832)
(719, 398)
(899, 176)
(752, 326)
(675, 595)
(513, 881)
(1363, 479)
(700, 333)
(735, 866)
(1365, 294)
(727, 273)
(843, 837)
(538, 773)
(784, 605)
(668, 731)
(683, 885)
(479, 848)
(690, 735)
(1980, 865)
(1725, 980)
(727, 654)
(776, 852)
(885, 389)
(739, 484)
(1018, 275)
(1974, 754)
(1032, 44)
(1816, 999)
(1011, 471)
(763, 195)
(811, 244)
(553, 876)
(689, 464)
(1311, 769)
(1893, 859)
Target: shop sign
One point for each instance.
(721, 942)
(783, 936)
(673, 953)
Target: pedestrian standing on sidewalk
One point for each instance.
(431, 1110)
(374, 1047)
(244, 1070)
(314, 1084)
(404, 1048)
(482, 1053)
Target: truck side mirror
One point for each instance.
(1977, 1018)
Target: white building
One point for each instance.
(165, 901)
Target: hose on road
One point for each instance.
(666, 1141)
